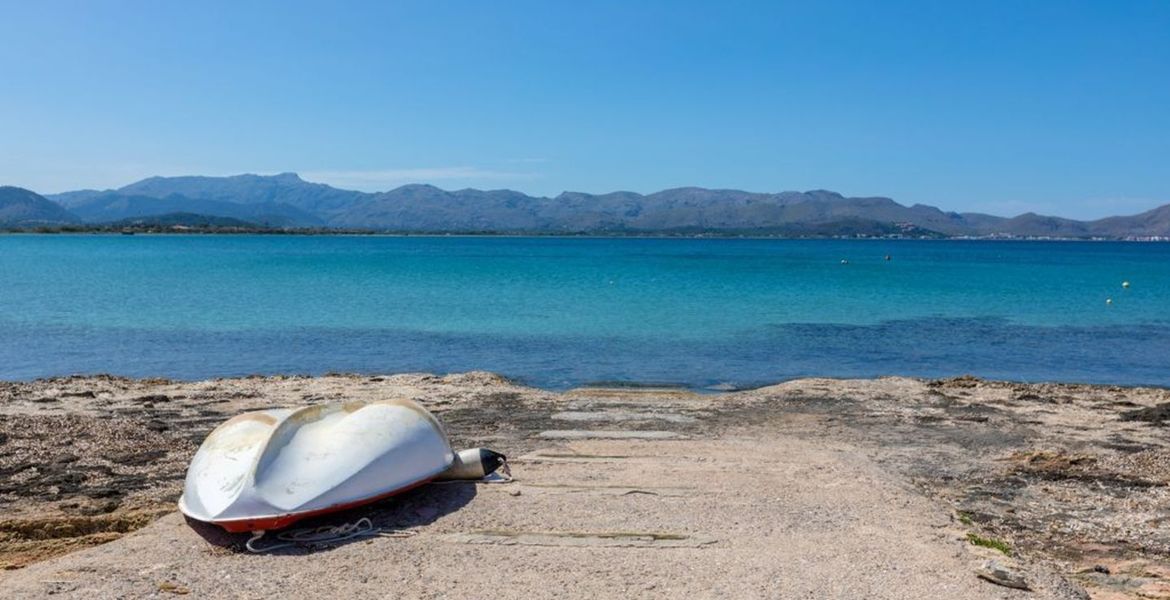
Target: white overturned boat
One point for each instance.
(268, 469)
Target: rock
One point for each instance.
(962, 381)
(1000, 574)
(1158, 414)
(484, 378)
(1156, 571)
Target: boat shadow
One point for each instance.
(399, 515)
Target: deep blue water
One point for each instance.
(558, 312)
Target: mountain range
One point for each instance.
(286, 201)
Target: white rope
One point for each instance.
(328, 534)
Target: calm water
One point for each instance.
(561, 312)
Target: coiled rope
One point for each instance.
(328, 534)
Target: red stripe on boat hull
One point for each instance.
(282, 521)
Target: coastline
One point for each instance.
(1074, 479)
(711, 235)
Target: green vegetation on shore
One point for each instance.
(992, 543)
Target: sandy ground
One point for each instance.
(810, 489)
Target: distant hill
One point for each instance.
(107, 207)
(183, 219)
(286, 200)
(286, 189)
(23, 208)
(1154, 222)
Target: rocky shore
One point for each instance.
(890, 487)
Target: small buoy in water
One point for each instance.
(844, 262)
(887, 257)
(1109, 301)
(1125, 284)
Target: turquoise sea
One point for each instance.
(559, 312)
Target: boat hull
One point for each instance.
(268, 469)
(286, 520)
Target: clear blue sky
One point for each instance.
(1058, 107)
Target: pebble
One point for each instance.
(998, 573)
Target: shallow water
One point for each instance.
(559, 312)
